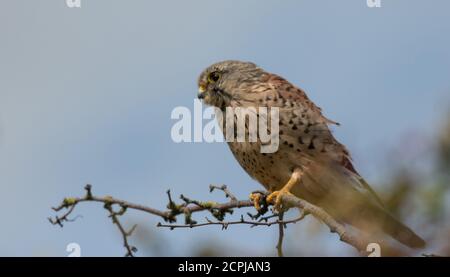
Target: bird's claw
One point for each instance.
(257, 197)
(275, 198)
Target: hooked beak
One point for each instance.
(201, 90)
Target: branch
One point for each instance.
(125, 234)
(225, 224)
(335, 227)
(281, 227)
(217, 210)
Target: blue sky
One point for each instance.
(86, 96)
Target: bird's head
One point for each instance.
(225, 81)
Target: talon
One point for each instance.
(256, 198)
(275, 198)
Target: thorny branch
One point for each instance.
(217, 210)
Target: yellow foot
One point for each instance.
(275, 198)
(256, 198)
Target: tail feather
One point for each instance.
(347, 197)
(401, 232)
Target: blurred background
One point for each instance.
(86, 96)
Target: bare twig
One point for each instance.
(217, 210)
(281, 226)
(125, 234)
(225, 224)
(223, 188)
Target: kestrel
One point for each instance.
(310, 163)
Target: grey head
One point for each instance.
(224, 81)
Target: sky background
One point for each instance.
(86, 96)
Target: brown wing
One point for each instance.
(309, 124)
(314, 130)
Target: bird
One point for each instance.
(309, 162)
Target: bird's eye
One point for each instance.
(214, 76)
